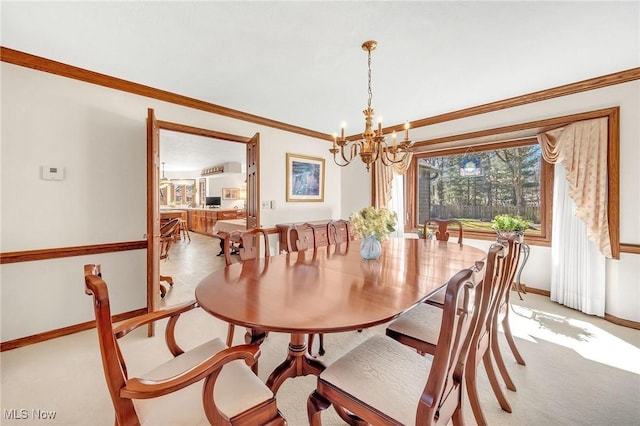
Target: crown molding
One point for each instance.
(27, 60)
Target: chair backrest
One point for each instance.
(167, 235)
(513, 247)
(298, 237)
(440, 227)
(338, 232)
(486, 292)
(250, 244)
(454, 328)
(115, 369)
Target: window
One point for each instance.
(474, 184)
(181, 192)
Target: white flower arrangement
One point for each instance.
(373, 222)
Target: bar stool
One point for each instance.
(183, 229)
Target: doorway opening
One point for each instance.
(184, 194)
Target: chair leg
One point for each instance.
(230, 332)
(472, 390)
(315, 405)
(184, 230)
(457, 419)
(310, 340)
(321, 348)
(497, 354)
(512, 344)
(493, 381)
(310, 344)
(167, 279)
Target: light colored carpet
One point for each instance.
(580, 371)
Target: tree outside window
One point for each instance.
(476, 185)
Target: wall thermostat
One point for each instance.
(52, 173)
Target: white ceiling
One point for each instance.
(182, 152)
(301, 62)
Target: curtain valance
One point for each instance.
(383, 178)
(581, 147)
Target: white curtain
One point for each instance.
(578, 267)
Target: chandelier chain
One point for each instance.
(369, 74)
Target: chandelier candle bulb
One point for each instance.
(406, 131)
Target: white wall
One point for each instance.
(99, 136)
(228, 180)
(356, 188)
(623, 276)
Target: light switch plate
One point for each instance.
(52, 173)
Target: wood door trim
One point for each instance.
(177, 127)
(153, 205)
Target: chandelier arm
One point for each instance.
(335, 160)
(399, 159)
(353, 151)
(385, 159)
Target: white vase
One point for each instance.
(370, 248)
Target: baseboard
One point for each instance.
(536, 290)
(621, 321)
(611, 318)
(52, 334)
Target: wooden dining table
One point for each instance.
(327, 290)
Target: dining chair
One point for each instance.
(440, 228)
(249, 242)
(338, 232)
(408, 329)
(500, 316)
(303, 237)
(383, 382)
(167, 236)
(209, 384)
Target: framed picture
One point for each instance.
(230, 193)
(305, 178)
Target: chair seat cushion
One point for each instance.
(421, 322)
(236, 390)
(437, 298)
(383, 374)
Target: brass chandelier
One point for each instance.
(373, 145)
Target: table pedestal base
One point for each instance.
(297, 363)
